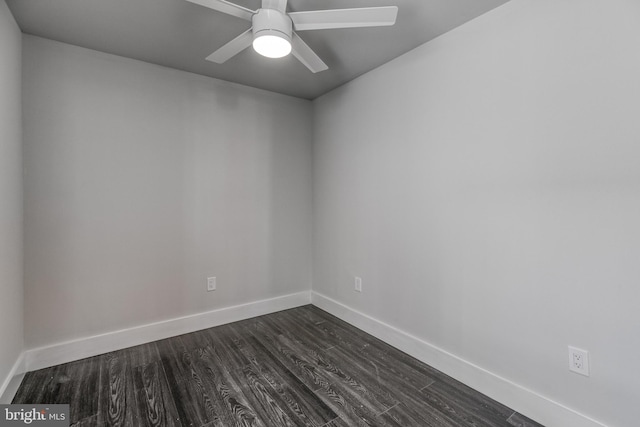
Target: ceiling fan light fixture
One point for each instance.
(272, 31)
(272, 45)
(272, 35)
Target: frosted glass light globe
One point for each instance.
(272, 46)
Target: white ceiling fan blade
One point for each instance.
(226, 7)
(232, 48)
(307, 56)
(344, 18)
(280, 5)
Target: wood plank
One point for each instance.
(30, 387)
(305, 370)
(343, 394)
(142, 355)
(87, 422)
(348, 407)
(227, 399)
(304, 405)
(116, 400)
(38, 386)
(403, 415)
(192, 400)
(349, 375)
(308, 312)
(153, 397)
(344, 373)
(304, 331)
(336, 422)
(387, 370)
(519, 420)
(464, 405)
(226, 346)
(359, 342)
(83, 377)
(264, 400)
(71, 383)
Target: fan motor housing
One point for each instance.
(272, 22)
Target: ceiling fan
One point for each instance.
(272, 35)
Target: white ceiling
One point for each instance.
(179, 34)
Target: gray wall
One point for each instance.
(11, 265)
(486, 187)
(141, 181)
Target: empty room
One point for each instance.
(320, 213)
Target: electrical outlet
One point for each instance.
(358, 284)
(579, 361)
(211, 284)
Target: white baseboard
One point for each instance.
(44, 357)
(515, 396)
(10, 385)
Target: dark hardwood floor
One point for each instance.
(300, 367)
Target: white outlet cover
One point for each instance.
(358, 284)
(579, 361)
(211, 284)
